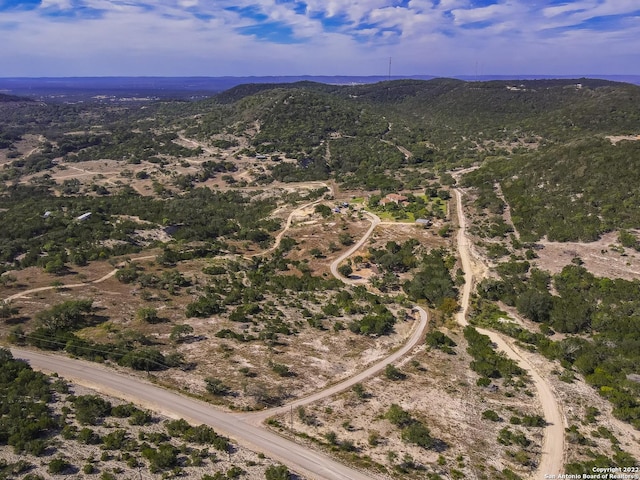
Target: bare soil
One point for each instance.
(604, 257)
(440, 391)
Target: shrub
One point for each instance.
(58, 465)
(491, 415)
(277, 472)
(392, 373)
(418, 434)
(215, 386)
(91, 409)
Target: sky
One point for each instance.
(318, 37)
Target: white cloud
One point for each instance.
(167, 39)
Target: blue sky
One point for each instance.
(318, 37)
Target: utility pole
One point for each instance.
(389, 76)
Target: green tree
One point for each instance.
(215, 386)
(345, 270)
(148, 314)
(69, 315)
(180, 332)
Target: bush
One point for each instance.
(491, 415)
(417, 434)
(148, 359)
(392, 373)
(91, 409)
(345, 270)
(88, 437)
(277, 472)
(397, 416)
(58, 465)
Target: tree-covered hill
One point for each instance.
(367, 135)
(569, 192)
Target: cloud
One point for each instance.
(242, 37)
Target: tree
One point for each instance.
(418, 434)
(345, 270)
(149, 359)
(180, 332)
(7, 311)
(69, 315)
(397, 416)
(345, 239)
(535, 305)
(91, 409)
(148, 314)
(58, 465)
(215, 386)
(392, 373)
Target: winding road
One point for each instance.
(552, 457)
(375, 221)
(244, 428)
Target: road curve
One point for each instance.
(375, 221)
(299, 458)
(414, 339)
(73, 285)
(552, 457)
(244, 428)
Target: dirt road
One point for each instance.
(415, 338)
(307, 462)
(73, 285)
(244, 428)
(552, 458)
(375, 221)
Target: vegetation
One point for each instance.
(602, 308)
(542, 151)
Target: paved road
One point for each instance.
(299, 458)
(552, 458)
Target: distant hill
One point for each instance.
(13, 98)
(71, 89)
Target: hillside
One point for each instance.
(262, 246)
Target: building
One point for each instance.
(394, 198)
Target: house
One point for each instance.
(394, 198)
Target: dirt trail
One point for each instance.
(412, 341)
(258, 417)
(375, 221)
(74, 285)
(552, 457)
